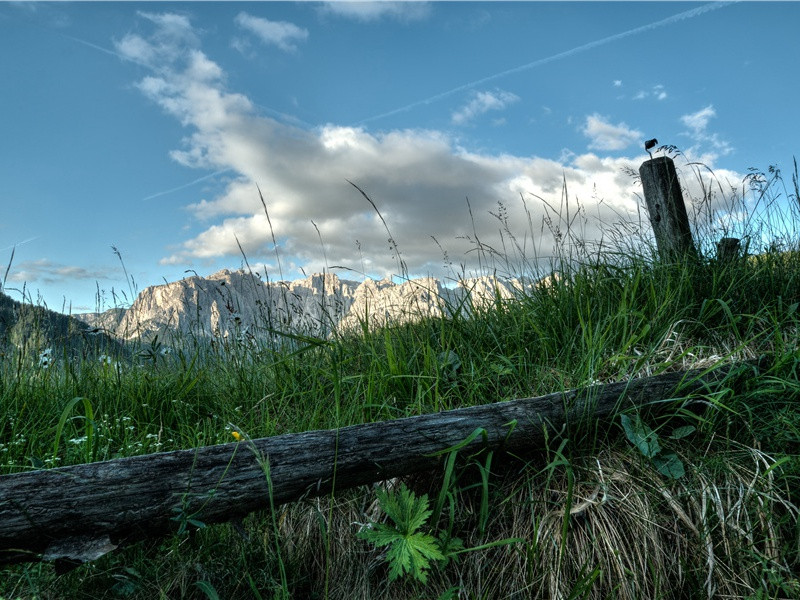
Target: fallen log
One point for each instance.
(81, 512)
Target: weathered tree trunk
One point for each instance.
(666, 208)
(79, 513)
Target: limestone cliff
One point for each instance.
(238, 303)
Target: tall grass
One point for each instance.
(596, 517)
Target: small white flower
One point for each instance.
(46, 358)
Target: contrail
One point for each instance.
(688, 14)
(105, 50)
(18, 244)
(185, 185)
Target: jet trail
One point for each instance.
(688, 14)
(18, 244)
(185, 185)
(104, 50)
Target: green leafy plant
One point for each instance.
(410, 550)
(646, 441)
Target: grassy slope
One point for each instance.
(596, 517)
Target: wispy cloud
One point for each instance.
(682, 16)
(483, 102)
(657, 91)
(706, 147)
(698, 121)
(174, 31)
(380, 9)
(276, 33)
(46, 271)
(607, 136)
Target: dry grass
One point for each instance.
(605, 525)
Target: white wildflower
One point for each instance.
(46, 358)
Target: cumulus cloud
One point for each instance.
(607, 136)
(706, 147)
(379, 9)
(277, 33)
(420, 180)
(483, 102)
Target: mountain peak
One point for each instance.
(233, 302)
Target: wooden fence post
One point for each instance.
(667, 211)
(728, 249)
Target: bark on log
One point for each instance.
(81, 512)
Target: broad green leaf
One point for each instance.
(399, 559)
(410, 551)
(682, 432)
(669, 465)
(379, 534)
(640, 435)
(412, 555)
(449, 361)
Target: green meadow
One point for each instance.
(689, 497)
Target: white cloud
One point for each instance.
(617, 83)
(419, 180)
(49, 272)
(483, 102)
(174, 35)
(379, 9)
(657, 91)
(278, 33)
(706, 147)
(698, 121)
(606, 136)
(136, 49)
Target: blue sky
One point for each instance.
(147, 126)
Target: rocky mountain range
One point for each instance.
(239, 303)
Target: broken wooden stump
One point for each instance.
(667, 210)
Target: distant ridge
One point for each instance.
(238, 303)
(34, 328)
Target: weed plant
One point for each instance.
(595, 513)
